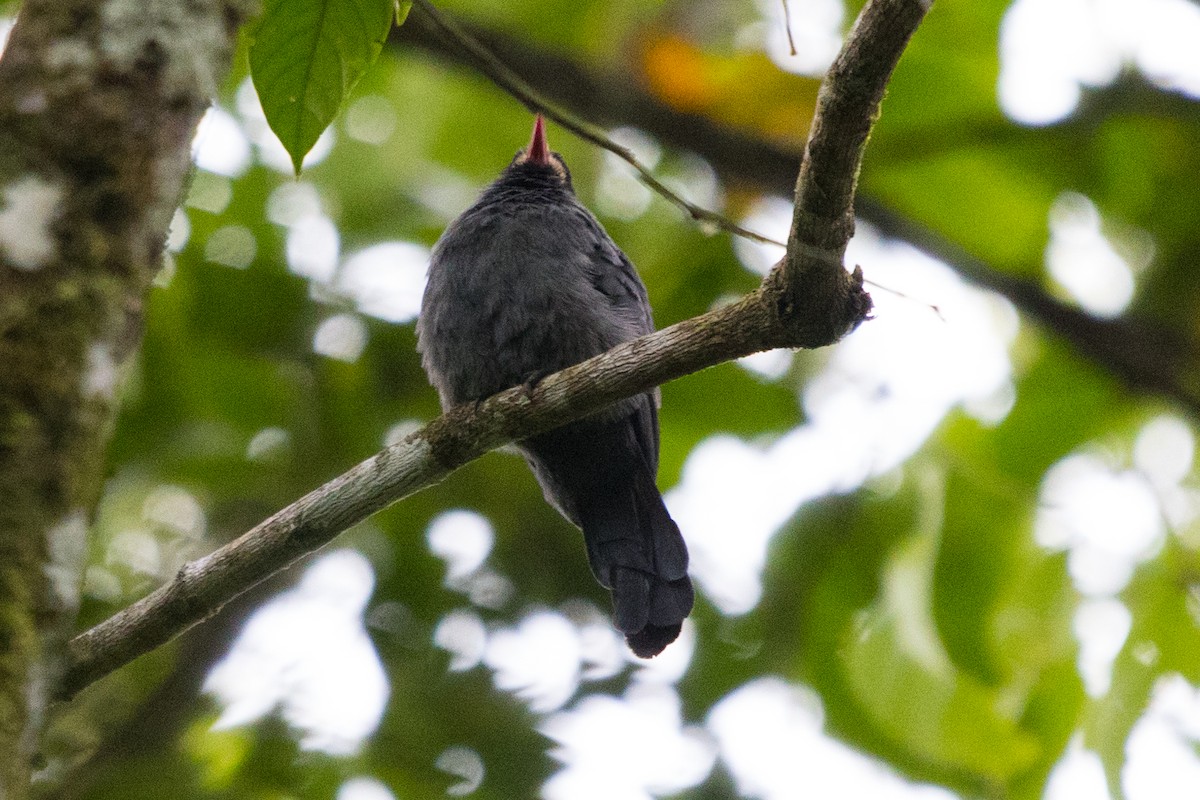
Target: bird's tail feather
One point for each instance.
(636, 550)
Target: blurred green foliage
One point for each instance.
(935, 629)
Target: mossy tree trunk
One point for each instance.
(99, 102)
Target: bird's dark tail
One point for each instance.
(636, 550)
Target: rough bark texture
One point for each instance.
(811, 280)
(99, 101)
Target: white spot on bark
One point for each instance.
(37, 688)
(29, 208)
(66, 545)
(185, 40)
(179, 232)
(32, 103)
(100, 375)
(69, 55)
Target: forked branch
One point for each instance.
(833, 302)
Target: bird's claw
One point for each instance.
(531, 383)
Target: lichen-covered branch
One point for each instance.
(99, 101)
(760, 321)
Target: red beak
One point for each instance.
(539, 151)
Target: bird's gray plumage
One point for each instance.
(524, 283)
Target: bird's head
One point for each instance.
(538, 162)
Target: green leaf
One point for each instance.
(402, 9)
(307, 55)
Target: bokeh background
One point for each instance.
(955, 555)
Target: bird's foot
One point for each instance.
(531, 382)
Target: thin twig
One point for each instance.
(512, 83)
(811, 276)
(903, 296)
(820, 254)
(787, 26)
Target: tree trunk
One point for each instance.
(99, 102)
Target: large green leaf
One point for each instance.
(307, 55)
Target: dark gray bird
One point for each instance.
(524, 283)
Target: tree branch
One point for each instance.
(1141, 354)
(759, 321)
(812, 279)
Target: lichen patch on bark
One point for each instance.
(28, 211)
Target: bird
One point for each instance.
(527, 282)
